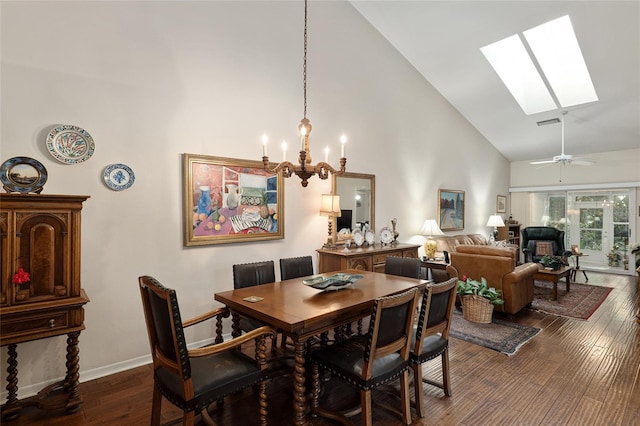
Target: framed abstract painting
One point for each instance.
(228, 200)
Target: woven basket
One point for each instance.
(477, 309)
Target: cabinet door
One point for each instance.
(360, 263)
(42, 243)
(413, 253)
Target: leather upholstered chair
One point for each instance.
(402, 266)
(192, 379)
(296, 267)
(251, 274)
(431, 337)
(373, 359)
(538, 241)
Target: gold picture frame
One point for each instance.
(501, 204)
(229, 200)
(451, 209)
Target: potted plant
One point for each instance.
(614, 256)
(478, 299)
(553, 262)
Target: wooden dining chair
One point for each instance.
(296, 267)
(192, 379)
(402, 266)
(368, 361)
(431, 337)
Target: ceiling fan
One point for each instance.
(565, 159)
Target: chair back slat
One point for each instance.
(164, 327)
(296, 267)
(436, 310)
(402, 266)
(390, 328)
(251, 274)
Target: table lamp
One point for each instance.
(495, 220)
(330, 206)
(430, 228)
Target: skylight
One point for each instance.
(555, 49)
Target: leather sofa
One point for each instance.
(450, 243)
(498, 266)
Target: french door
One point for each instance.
(600, 226)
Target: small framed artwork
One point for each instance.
(451, 209)
(501, 204)
(227, 200)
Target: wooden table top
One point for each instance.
(560, 272)
(300, 310)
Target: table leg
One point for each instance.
(568, 283)
(299, 390)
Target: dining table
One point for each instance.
(301, 311)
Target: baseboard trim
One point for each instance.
(96, 373)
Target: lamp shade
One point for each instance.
(330, 205)
(430, 228)
(495, 220)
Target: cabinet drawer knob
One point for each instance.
(52, 323)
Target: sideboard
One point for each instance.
(40, 236)
(372, 258)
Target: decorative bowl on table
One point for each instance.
(333, 282)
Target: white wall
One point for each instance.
(152, 80)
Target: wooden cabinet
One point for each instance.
(41, 234)
(364, 259)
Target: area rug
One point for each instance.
(502, 336)
(581, 302)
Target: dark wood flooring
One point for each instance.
(573, 373)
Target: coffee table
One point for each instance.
(554, 276)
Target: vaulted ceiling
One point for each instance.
(442, 40)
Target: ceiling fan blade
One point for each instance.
(582, 162)
(543, 162)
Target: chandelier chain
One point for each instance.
(304, 64)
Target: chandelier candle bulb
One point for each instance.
(264, 145)
(303, 132)
(284, 150)
(343, 140)
(326, 154)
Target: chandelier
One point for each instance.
(304, 169)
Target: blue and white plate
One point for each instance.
(118, 176)
(70, 144)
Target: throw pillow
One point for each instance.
(544, 248)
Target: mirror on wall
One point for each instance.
(357, 202)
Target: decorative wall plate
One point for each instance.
(386, 236)
(370, 237)
(358, 237)
(70, 144)
(118, 176)
(23, 174)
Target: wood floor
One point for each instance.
(573, 373)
